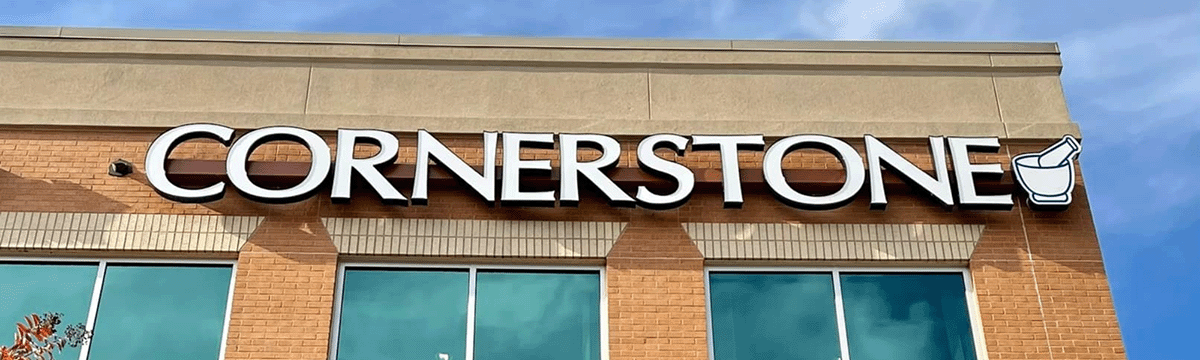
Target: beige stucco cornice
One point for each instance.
(163, 78)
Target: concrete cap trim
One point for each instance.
(841, 242)
(125, 232)
(531, 42)
(227, 36)
(157, 120)
(29, 31)
(478, 238)
(991, 47)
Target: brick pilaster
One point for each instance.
(656, 292)
(283, 297)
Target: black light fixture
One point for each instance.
(120, 167)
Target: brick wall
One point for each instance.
(1039, 276)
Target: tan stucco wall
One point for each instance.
(153, 78)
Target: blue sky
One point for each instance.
(1131, 76)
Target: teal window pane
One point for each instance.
(537, 316)
(773, 316)
(907, 317)
(161, 312)
(403, 314)
(41, 288)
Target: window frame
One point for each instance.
(472, 270)
(101, 267)
(970, 296)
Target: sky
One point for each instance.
(1131, 77)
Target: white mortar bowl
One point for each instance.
(1043, 182)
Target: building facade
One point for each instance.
(743, 199)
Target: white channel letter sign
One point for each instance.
(1047, 176)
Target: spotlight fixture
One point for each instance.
(119, 168)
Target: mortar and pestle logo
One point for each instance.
(1048, 176)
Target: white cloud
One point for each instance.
(857, 19)
(233, 14)
(1149, 65)
(880, 19)
(1136, 92)
(1130, 48)
(722, 10)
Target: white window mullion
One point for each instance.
(228, 313)
(975, 317)
(604, 347)
(92, 308)
(339, 288)
(471, 315)
(841, 315)
(708, 314)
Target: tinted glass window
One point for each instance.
(401, 314)
(46, 288)
(161, 312)
(773, 316)
(907, 317)
(532, 316)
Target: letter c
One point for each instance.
(156, 158)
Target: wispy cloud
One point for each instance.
(1155, 61)
(1135, 87)
(851, 19)
(1132, 47)
(891, 19)
(212, 14)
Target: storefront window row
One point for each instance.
(135, 309)
(848, 315)
(140, 309)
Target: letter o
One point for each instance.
(239, 153)
(851, 161)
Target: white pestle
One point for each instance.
(1060, 153)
